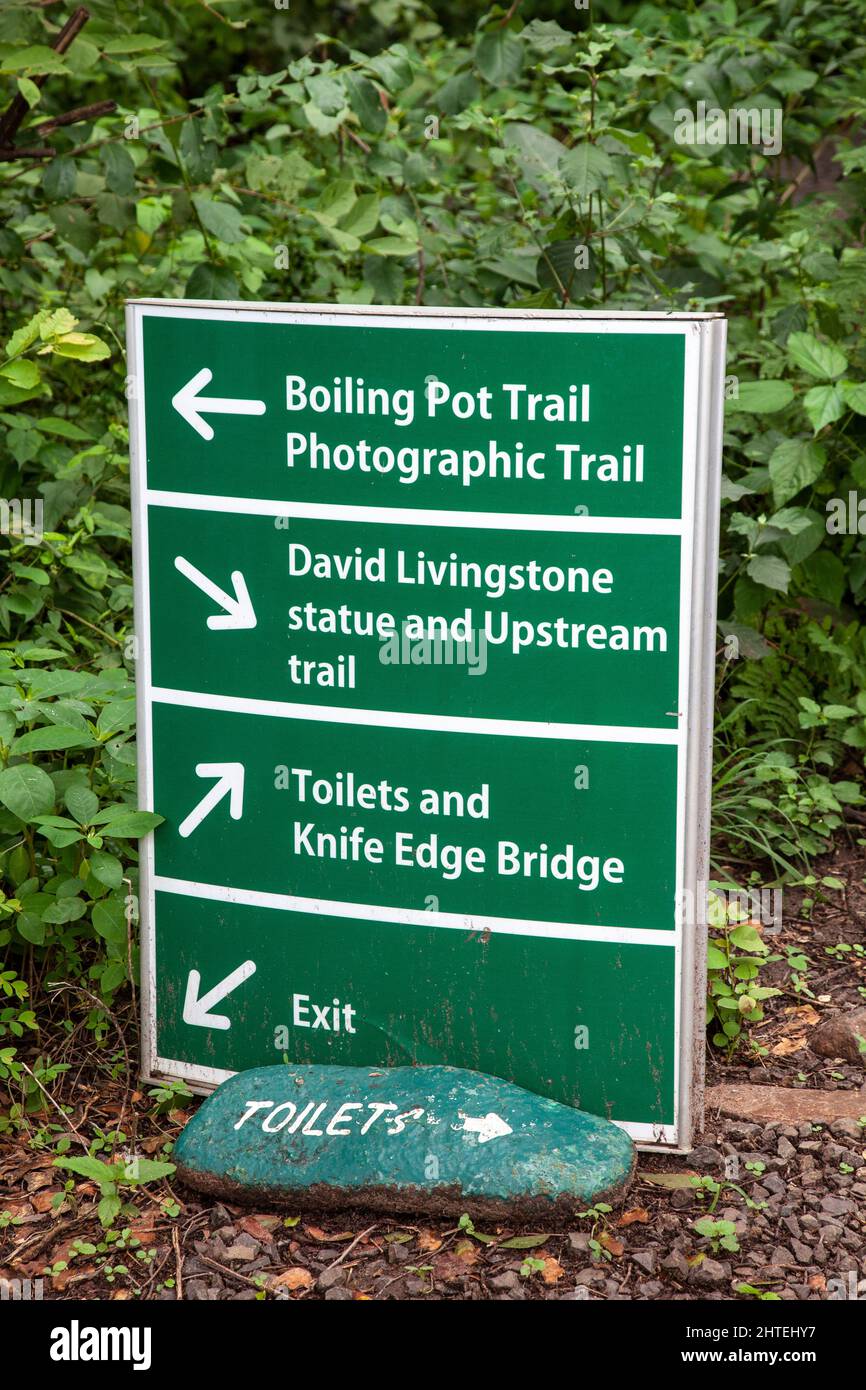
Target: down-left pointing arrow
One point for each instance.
(197, 1010)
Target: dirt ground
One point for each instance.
(790, 1196)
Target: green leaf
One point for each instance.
(25, 336)
(133, 825)
(58, 181)
(459, 91)
(586, 169)
(106, 868)
(65, 910)
(31, 928)
(363, 217)
(92, 1168)
(760, 397)
(823, 405)
(84, 347)
(337, 200)
(771, 571)
(147, 1170)
(119, 169)
(212, 282)
(555, 268)
(364, 101)
(818, 359)
(222, 220)
(82, 804)
(109, 1209)
(150, 213)
(52, 737)
(52, 424)
(392, 246)
(537, 153)
(855, 395)
(746, 938)
(22, 373)
(499, 57)
(132, 43)
(795, 464)
(29, 91)
(109, 920)
(26, 791)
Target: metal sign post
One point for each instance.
(425, 602)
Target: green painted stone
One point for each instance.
(434, 1139)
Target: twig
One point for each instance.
(61, 1112)
(79, 989)
(178, 1261)
(18, 107)
(9, 153)
(224, 1269)
(422, 274)
(357, 139)
(80, 113)
(78, 618)
(351, 1246)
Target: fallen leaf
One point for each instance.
(41, 1201)
(628, 1218)
(328, 1236)
(611, 1243)
(145, 1233)
(553, 1271)
(466, 1252)
(522, 1242)
(672, 1181)
(39, 1177)
(455, 1264)
(295, 1278)
(786, 1046)
(255, 1228)
(804, 1012)
(428, 1242)
(399, 1237)
(818, 1281)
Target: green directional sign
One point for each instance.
(425, 611)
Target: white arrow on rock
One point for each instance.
(491, 1126)
(239, 611)
(196, 1011)
(191, 406)
(230, 783)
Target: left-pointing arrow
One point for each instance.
(239, 611)
(196, 1009)
(191, 406)
(230, 783)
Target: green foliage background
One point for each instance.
(400, 152)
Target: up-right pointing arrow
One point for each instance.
(230, 783)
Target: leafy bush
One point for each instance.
(532, 162)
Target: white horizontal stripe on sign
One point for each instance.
(417, 516)
(414, 917)
(399, 719)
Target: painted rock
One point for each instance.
(434, 1139)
